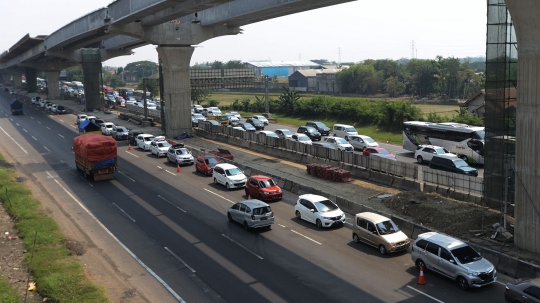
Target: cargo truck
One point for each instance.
(16, 107)
(95, 156)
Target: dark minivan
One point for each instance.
(320, 127)
(452, 164)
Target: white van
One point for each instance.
(344, 131)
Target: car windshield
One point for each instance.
(369, 140)
(60, 107)
(320, 124)
(267, 183)
(148, 138)
(181, 151)
(311, 130)
(247, 125)
(382, 152)
(108, 126)
(460, 163)
(211, 162)
(121, 129)
(163, 144)
(233, 172)
(303, 138)
(387, 227)
(350, 130)
(271, 135)
(466, 254)
(262, 210)
(286, 132)
(325, 205)
(441, 150)
(341, 141)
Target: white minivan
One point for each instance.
(344, 131)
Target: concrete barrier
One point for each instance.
(526, 270)
(491, 256)
(381, 178)
(507, 265)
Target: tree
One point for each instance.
(288, 100)
(74, 73)
(199, 95)
(394, 87)
(152, 86)
(113, 80)
(234, 64)
(217, 65)
(141, 69)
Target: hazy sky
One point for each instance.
(359, 30)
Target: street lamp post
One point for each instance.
(266, 95)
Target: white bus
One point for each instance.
(467, 142)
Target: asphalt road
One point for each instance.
(401, 154)
(175, 224)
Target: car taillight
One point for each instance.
(507, 289)
(252, 217)
(271, 214)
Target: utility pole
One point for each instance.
(266, 94)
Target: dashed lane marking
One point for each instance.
(306, 237)
(25, 130)
(46, 148)
(124, 212)
(125, 175)
(132, 154)
(423, 293)
(256, 255)
(171, 203)
(219, 196)
(61, 136)
(34, 138)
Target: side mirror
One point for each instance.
(452, 261)
(312, 210)
(374, 232)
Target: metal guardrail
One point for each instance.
(461, 183)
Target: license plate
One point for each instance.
(263, 218)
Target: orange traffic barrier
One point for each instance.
(178, 168)
(58, 116)
(421, 279)
(129, 146)
(249, 196)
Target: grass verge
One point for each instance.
(57, 272)
(7, 294)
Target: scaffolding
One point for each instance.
(500, 104)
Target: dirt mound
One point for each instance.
(455, 218)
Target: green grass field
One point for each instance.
(382, 135)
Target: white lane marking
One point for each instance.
(132, 154)
(122, 244)
(39, 122)
(219, 195)
(48, 128)
(171, 173)
(423, 293)
(5, 114)
(17, 124)
(501, 283)
(182, 261)
(159, 167)
(124, 212)
(348, 223)
(61, 120)
(125, 175)
(171, 203)
(256, 255)
(10, 118)
(282, 225)
(25, 130)
(34, 138)
(61, 136)
(46, 148)
(31, 117)
(14, 140)
(306, 237)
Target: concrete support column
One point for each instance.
(176, 88)
(53, 91)
(525, 14)
(92, 85)
(17, 81)
(31, 81)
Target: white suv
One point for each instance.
(229, 175)
(107, 128)
(159, 148)
(339, 143)
(426, 153)
(318, 210)
(144, 141)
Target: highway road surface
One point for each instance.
(175, 225)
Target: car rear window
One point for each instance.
(267, 183)
(262, 210)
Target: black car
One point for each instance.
(248, 127)
(311, 132)
(59, 109)
(327, 145)
(320, 127)
(132, 135)
(256, 123)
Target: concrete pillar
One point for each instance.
(525, 14)
(31, 81)
(176, 88)
(92, 85)
(53, 91)
(17, 81)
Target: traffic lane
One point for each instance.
(231, 271)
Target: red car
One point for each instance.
(377, 150)
(263, 188)
(205, 164)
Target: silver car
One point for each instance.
(452, 258)
(251, 214)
